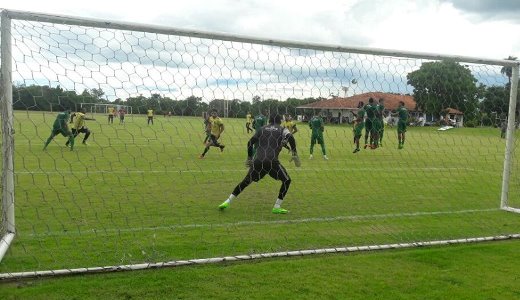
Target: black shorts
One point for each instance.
(260, 168)
(213, 140)
(81, 130)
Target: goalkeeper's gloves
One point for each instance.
(249, 162)
(296, 160)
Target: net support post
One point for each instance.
(510, 142)
(6, 110)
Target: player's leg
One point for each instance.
(278, 172)
(75, 133)
(87, 134)
(313, 142)
(54, 132)
(321, 141)
(255, 173)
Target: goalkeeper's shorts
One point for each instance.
(261, 168)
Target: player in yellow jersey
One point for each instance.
(111, 112)
(290, 124)
(78, 119)
(149, 113)
(217, 127)
(249, 121)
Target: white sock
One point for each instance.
(278, 203)
(231, 197)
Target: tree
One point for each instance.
(442, 84)
(495, 103)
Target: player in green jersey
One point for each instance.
(402, 112)
(317, 128)
(260, 120)
(380, 113)
(370, 110)
(359, 124)
(60, 126)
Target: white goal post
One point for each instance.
(137, 194)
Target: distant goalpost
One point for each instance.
(136, 198)
(102, 108)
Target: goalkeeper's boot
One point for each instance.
(222, 148)
(84, 143)
(279, 211)
(311, 157)
(224, 205)
(325, 157)
(201, 156)
(355, 150)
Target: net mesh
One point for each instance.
(138, 192)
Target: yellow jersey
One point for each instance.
(249, 119)
(149, 113)
(111, 111)
(79, 120)
(290, 125)
(217, 126)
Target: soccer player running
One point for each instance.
(269, 140)
(359, 124)
(78, 120)
(217, 127)
(317, 127)
(291, 126)
(249, 122)
(60, 126)
(402, 112)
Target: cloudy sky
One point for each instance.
(473, 28)
(478, 28)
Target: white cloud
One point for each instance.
(413, 25)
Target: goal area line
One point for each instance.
(248, 257)
(273, 222)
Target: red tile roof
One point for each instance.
(391, 101)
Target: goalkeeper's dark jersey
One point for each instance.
(269, 140)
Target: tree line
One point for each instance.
(436, 86)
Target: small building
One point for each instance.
(453, 117)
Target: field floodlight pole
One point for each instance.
(6, 104)
(510, 141)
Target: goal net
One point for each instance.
(437, 160)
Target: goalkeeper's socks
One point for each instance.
(278, 203)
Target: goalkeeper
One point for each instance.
(269, 140)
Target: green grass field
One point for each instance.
(139, 194)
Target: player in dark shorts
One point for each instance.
(269, 139)
(370, 110)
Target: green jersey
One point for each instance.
(380, 109)
(370, 111)
(61, 120)
(403, 114)
(259, 122)
(316, 125)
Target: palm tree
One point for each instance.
(508, 71)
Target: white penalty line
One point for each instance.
(253, 223)
(350, 170)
